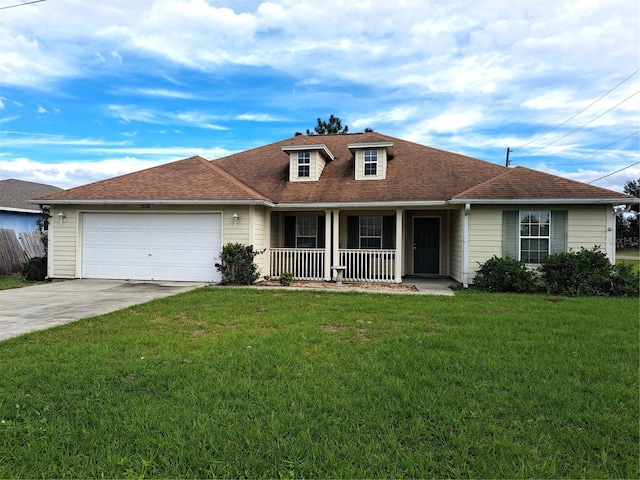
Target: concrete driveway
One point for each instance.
(38, 307)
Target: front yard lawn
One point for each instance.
(225, 382)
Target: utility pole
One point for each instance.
(507, 161)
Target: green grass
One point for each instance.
(14, 281)
(275, 383)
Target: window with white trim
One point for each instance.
(304, 164)
(535, 235)
(371, 231)
(306, 232)
(370, 156)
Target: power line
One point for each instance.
(596, 150)
(613, 173)
(590, 121)
(574, 116)
(22, 4)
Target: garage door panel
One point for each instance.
(151, 246)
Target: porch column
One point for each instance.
(399, 246)
(327, 245)
(335, 244)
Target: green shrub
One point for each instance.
(505, 275)
(587, 273)
(577, 274)
(625, 281)
(237, 264)
(35, 269)
(286, 279)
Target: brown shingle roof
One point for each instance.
(193, 178)
(525, 183)
(415, 173)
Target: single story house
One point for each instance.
(17, 213)
(378, 206)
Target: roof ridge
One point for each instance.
(220, 171)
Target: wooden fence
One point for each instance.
(12, 255)
(32, 244)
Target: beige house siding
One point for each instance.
(485, 235)
(62, 243)
(588, 226)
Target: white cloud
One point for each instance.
(79, 172)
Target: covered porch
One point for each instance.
(368, 246)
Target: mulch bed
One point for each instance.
(380, 287)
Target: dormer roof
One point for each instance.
(321, 147)
(388, 146)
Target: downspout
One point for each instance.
(465, 246)
(614, 233)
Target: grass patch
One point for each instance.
(250, 383)
(14, 281)
(635, 263)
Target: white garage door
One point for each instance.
(151, 246)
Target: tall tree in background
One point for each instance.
(332, 127)
(628, 224)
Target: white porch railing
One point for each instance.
(308, 264)
(302, 263)
(368, 265)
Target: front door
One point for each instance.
(426, 245)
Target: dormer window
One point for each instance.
(370, 162)
(371, 159)
(304, 164)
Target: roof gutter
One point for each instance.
(538, 201)
(18, 210)
(393, 204)
(143, 201)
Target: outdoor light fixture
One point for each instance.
(235, 218)
(61, 217)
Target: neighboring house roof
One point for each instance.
(415, 173)
(15, 195)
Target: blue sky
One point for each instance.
(94, 89)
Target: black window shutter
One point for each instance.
(353, 233)
(388, 232)
(559, 227)
(289, 232)
(321, 231)
(510, 234)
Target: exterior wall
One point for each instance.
(485, 235)
(588, 226)
(382, 165)
(65, 239)
(62, 243)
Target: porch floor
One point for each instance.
(430, 286)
